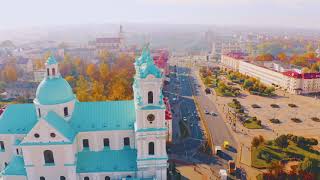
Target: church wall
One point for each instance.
(101, 176)
(6, 155)
(15, 178)
(52, 173)
(96, 139)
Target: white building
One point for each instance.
(58, 137)
(275, 74)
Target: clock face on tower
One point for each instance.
(150, 118)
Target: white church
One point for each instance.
(59, 138)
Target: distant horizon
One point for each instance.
(300, 14)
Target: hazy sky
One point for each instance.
(288, 13)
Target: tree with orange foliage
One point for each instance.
(82, 89)
(282, 56)
(10, 73)
(104, 72)
(264, 57)
(97, 91)
(92, 71)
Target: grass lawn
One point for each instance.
(250, 124)
(276, 153)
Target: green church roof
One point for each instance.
(105, 115)
(51, 60)
(145, 65)
(18, 119)
(15, 167)
(107, 161)
(54, 91)
(61, 125)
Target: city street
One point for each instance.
(182, 98)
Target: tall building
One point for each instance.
(58, 138)
(112, 44)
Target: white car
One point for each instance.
(184, 119)
(213, 114)
(223, 174)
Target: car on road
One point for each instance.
(223, 174)
(231, 166)
(213, 114)
(226, 145)
(184, 119)
(217, 150)
(206, 112)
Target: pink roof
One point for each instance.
(302, 76)
(236, 55)
(108, 40)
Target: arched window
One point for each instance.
(86, 178)
(17, 150)
(151, 148)
(42, 178)
(126, 141)
(53, 71)
(150, 97)
(65, 111)
(48, 157)
(106, 142)
(107, 178)
(62, 178)
(48, 72)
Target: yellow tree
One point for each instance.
(282, 56)
(117, 89)
(82, 89)
(104, 55)
(97, 91)
(10, 73)
(104, 72)
(91, 71)
(70, 79)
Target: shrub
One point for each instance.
(315, 119)
(275, 121)
(259, 122)
(292, 105)
(255, 142)
(274, 105)
(255, 106)
(282, 141)
(296, 120)
(266, 156)
(254, 118)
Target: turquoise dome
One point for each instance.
(54, 91)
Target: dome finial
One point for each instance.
(51, 60)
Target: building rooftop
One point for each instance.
(107, 161)
(15, 167)
(108, 40)
(87, 116)
(297, 75)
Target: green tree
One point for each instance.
(309, 165)
(282, 141)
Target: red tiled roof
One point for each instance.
(302, 76)
(236, 55)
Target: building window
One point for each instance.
(17, 150)
(53, 71)
(86, 178)
(106, 142)
(150, 97)
(52, 135)
(5, 164)
(128, 176)
(107, 178)
(42, 178)
(65, 111)
(85, 143)
(48, 72)
(150, 118)
(39, 112)
(126, 141)
(48, 157)
(151, 148)
(62, 178)
(2, 148)
(36, 135)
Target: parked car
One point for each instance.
(217, 150)
(213, 114)
(223, 174)
(231, 166)
(206, 112)
(184, 119)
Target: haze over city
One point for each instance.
(159, 90)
